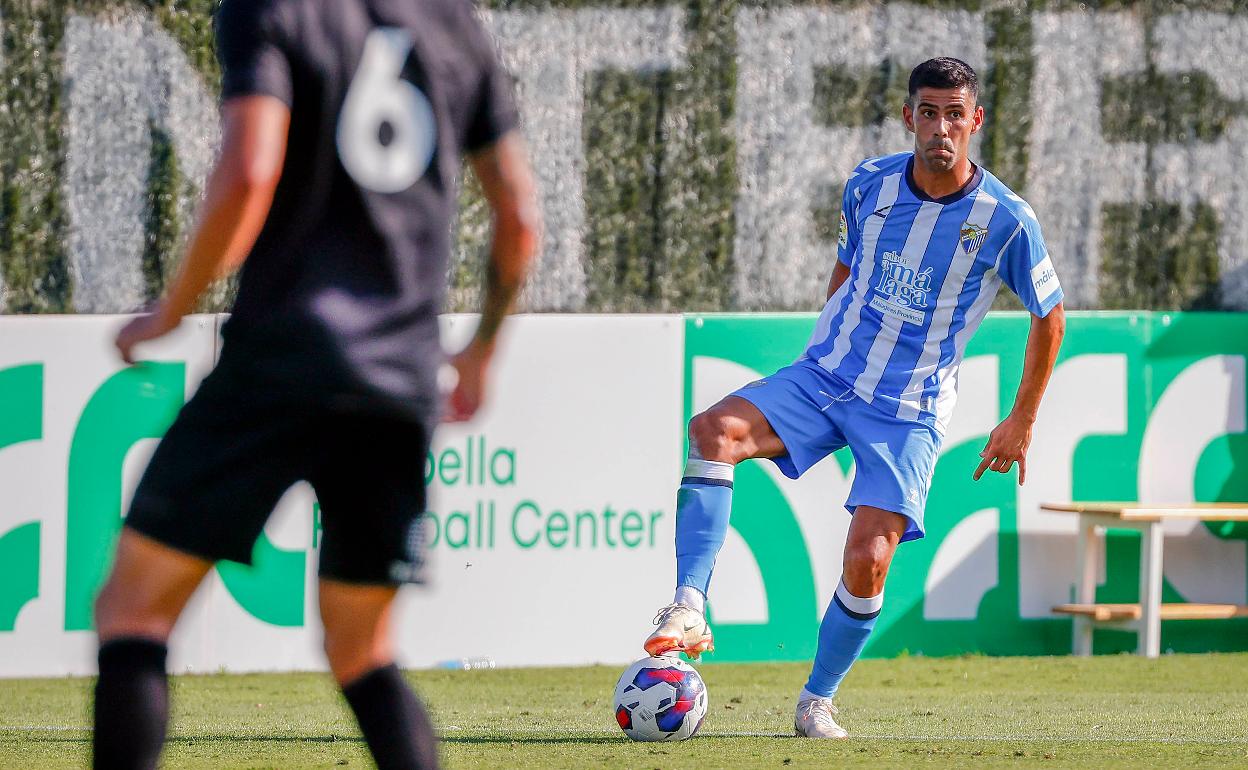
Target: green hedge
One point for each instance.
(660, 151)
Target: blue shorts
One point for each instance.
(814, 413)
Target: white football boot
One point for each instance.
(814, 719)
(681, 628)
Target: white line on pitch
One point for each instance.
(747, 734)
(864, 736)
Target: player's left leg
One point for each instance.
(371, 486)
(134, 614)
(873, 537)
(894, 460)
(360, 650)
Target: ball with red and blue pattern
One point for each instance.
(660, 699)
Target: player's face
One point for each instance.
(942, 121)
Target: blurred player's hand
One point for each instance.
(148, 326)
(471, 366)
(1007, 444)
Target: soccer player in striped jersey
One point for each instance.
(926, 239)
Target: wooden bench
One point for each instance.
(1143, 618)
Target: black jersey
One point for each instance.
(338, 300)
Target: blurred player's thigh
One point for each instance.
(370, 482)
(219, 471)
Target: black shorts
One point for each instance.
(228, 458)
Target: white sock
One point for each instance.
(806, 695)
(691, 597)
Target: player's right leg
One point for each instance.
(204, 497)
(782, 418)
(371, 486)
(134, 614)
(729, 432)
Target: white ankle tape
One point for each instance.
(708, 469)
(858, 605)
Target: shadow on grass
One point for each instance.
(231, 738)
(456, 739)
(527, 739)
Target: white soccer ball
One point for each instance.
(660, 699)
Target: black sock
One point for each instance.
(131, 705)
(395, 725)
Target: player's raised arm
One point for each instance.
(507, 181)
(236, 204)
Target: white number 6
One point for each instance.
(379, 98)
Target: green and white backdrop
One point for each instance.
(561, 494)
(690, 156)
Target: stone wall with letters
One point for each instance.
(690, 155)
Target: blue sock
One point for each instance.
(842, 635)
(703, 506)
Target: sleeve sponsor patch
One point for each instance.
(843, 239)
(1044, 279)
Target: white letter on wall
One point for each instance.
(1217, 172)
(122, 75)
(1071, 170)
(550, 53)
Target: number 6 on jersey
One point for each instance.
(386, 132)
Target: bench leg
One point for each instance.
(1085, 590)
(1149, 639)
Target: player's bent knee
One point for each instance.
(866, 567)
(712, 433)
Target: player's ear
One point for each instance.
(907, 115)
(978, 121)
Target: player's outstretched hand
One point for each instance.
(148, 326)
(1007, 444)
(468, 394)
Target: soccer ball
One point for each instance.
(660, 699)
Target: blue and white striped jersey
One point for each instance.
(923, 274)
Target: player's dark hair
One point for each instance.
(944, 72)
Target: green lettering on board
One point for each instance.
(134, 404)
(21, 420)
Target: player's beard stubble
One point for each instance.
(939, 162)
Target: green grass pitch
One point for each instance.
(1119, 711)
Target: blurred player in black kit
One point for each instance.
(344, 126)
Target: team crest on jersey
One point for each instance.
(843, 239)
(905, 290)
(973, 237)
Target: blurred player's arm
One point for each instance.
(236, 204)
(847, 238)
(507, 181)
(1009, 441)
(840, 274)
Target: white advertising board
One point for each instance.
(558, 495)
